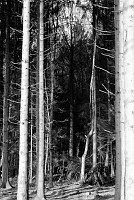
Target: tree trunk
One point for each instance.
(125, 101)
(117, 105)
(31, 145)
(121, 135)
(71, 107)
(71, 85)
(51, 107)
(40, 181)
(112, 174)
(93, 88)
(37, 97)
(2, 28)
(5, 182)
(22, 193)
(128, 13)
(47, 128)
(94, 120)
(83, 161)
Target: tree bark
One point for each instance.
(40, 180)
(128, 15)
(22, 193)
(51, 108)
(83, 161)
(37, 96)
(124, 101)
(93, 88)
(121, 100)
(71, 85)
(31, 145)
(117, 105)
(2, 28)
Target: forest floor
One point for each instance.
(65, 191)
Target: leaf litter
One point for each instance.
(73, 191)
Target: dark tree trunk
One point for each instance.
(5, 182)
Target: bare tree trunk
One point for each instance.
(2, 28)
(51, 107)
(5, 182)
(117, 105)
(22, 193)
(94, 120)
(40, 180)
(71, 107)
(128, 138)
(71, 85)
(112, 173)
(31, 145)
(37, 97)
(125, 93)
(121, 138)
(47, 128)
(93, 88)
(119, 100)
(83, 161)
(47, 100)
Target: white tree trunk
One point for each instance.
(22, 178)
(125, 101)
(117, 105)
(83, 160)
(31, 145)
(128, 12)
(121, 87)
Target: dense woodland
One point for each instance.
(61, 97)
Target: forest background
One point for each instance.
(78, 90)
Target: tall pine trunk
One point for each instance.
(71, 85)
(93, 82)
(1, 53)
(40, 180)
(22, 193)
(37, 96)
(119, 100)
(71, 104)
(125, 101)
(128, 19)
(31, 143)
(121, 138)
(51, 105)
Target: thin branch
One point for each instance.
(104, 70)
(18, 63)
(103, 91)
(109, 92)
(16, 30)
(105, 7)
(13, 101)
(104, 48)
(15, 84)
(15, 123)
(107, 55)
